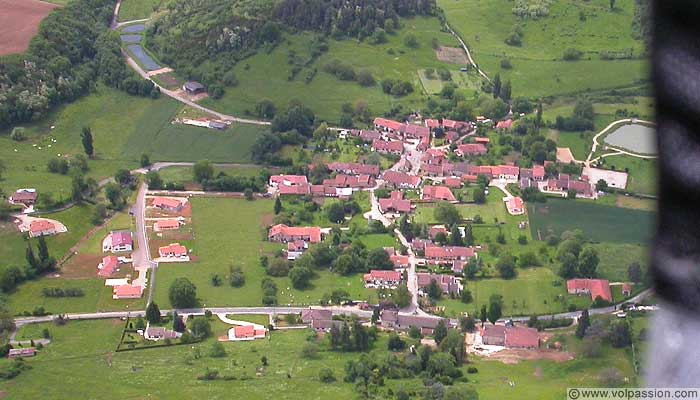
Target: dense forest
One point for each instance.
(203, 39)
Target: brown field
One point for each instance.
(514, 356)
(19, 22)
(454, 55)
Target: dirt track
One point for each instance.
(19, 22)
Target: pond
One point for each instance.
(148, 63)
(636, 138)
(134, 28)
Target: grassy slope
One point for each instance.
(267, 75)
(136, 9)
(537, 66)
(230, 232)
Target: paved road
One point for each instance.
(141, 256)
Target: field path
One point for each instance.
(469, 54)
(605, 130)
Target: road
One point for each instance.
(141, 256)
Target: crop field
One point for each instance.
(265, 76)
(598, 222)
(19, 22)
(137, 9)
(230, 232)
(86, 348)
(537, 65)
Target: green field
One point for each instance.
(265, 75)
(137, 9)
(538, 68)
(230, 232)
(615, 258)
(643, 172)
(182, 174)
(86, 349)
(598, 222)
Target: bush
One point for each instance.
(472, 370)
(217, 350)
(18, 134)
(572, 54)
(411, 41)
(506, 64)
(365, 78)
(309, 351)
(325, 375)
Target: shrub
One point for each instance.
(309, 351)
(572, 54)
(325, 375)
(506, 64)
(18, 134)
(472, 370)
(365, 78)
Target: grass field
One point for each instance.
(230, 232)
(601, 223)
(137, 9)
(615, 258)
(181, 174)
(266, 74)
(86, 348)
(538, 69)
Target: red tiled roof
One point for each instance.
(22, 195)
(507, 124)
(382, 275)
(415, 131)
(538, 171)
(508, 170)
(387, 123)
(172, 250)
(288, 180)
(127, 291)
(434, 230)
(399, 260)
(432, 123)
(471, 149)
(121, 238)
(166, 224)
(397, 205)
(431, 193)
(514, 205)
(313, 233)
(453, 182)
(449, 252)
(166, 202)
(482, 140)
(354, 168)
(596, 287)
(109, 265)
(400, 178)
(41, 225)
(387, 146)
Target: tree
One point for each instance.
(325, 375)
(237, 279)
(86, 138)
(453, 344)
(182, 293)
(466, 296)
(123, 176)
(479, 195)
(634, 272)
(410, 41)
(414, 332)
(467, 324)
(153, 180)
(505, 91)
(506, 266)
(395, 343)
(584, 322)
(620, 335)
(153, 313)
(495, 308)
(145, 160)
(278, 205)
(335, 212)
(201, 328)
(203, 170)
(538, 116)
(601, 185)
(588, 262)
(30, 257)
(468, 235)
(496, 86)
(483, 314)
(456, 236)
(568, 268)
(309, 350)
(217, 350)
(43, 249)
(440, 331)
(447, 213)
(113, 192)
(248, 194)
(402, 296)
(379, 259)
(434, 290)
(612, 4)
(300, 277)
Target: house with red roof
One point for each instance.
(168, 204)
(166, 225)
(173, 250)
(482, 140)
(451, 136)
(283, 234)
(412, 131)
(593, 287)
(382, 279)
(247, 332)
(387, 147)
(395, 204)
(562, 186)
(387, 125)
(434, 230)
(424, 144)
(41, 227)
(432, 123)
(127, 292)
(401, 180)
(516, 337)
(25, 197)
(290, 184)
(365, 135)
(399, 260)
(295, 249)
(447, 283)
(471, 149)
(108, 266)
(504, 125)
(507, 172)
(515, 206)
(453, 182)
(437, 193)
(118, 241)
(354, 169)
(626, 289)
(447, 254)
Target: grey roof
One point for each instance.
(192, 85)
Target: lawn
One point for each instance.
(372, 241)
(265, 76)
(86, 348)
(615, 258)
(181, 174)
(230, 232)
(137, 9)
(598, 222)
(537, 66)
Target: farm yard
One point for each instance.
(601, 223)
(19, 22)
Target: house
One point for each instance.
(395, 204)
(504, 125)
(451, 136)
(354, 169)
(392, 319)
(118, 241)
(295, 249)
(420, 244)
(159, 333)
(453, 182)
(319, 320)
(108, 266)
(437, 229)
(401, 180)
(482, 140)
(127, 292)
(349, 181)
(432, 124)
(515, 206)
(626, 289)
(595, 287)
(173, 250)
(290, 184)
(517, 337)
(387, 125)
(447, 283)
(471, 149)
(168, 204)
(166, 225)
(382, 278)
(387, 147)
(41, 227)
(284, 234)
(247, 332)
(192, 87)
(538, 172)
(26, 197)
(507, 172)
(447, 254)
(366, 136)
(564, 184)
(412, 131)
(399, 261)
(424, 144)
(21, 352)
(437, 193)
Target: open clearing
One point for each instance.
(598, 222)
(454, 55)
(19, 22)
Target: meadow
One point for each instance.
(86, 348)
(231, 232)
(601, 223)
(537, 65)
(266, 76)
(137, 9)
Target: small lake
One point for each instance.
(131, 38)
(636, 138)
(148, 63)
(137, 28)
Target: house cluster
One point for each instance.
(296, 238)
(341, 185)
(510, 336)
(118, 242)
(596, 288)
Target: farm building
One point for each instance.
(193, 87)
(510, 336)
(594, 287)
(283, 233)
